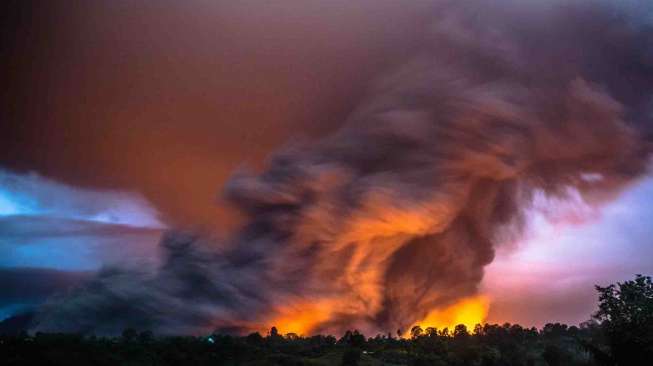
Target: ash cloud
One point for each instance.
(398, 212)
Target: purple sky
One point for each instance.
(549, 275)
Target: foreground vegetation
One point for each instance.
(621, 333)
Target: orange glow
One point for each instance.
(469, 311)
(301, 318)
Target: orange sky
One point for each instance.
(168, 98)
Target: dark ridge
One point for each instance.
(15, 325)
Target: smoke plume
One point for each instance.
(398, 212)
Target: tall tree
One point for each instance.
(626, 316)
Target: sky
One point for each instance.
(52, 236)
(123, 119)
(547, 276)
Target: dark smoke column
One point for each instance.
(398, 212)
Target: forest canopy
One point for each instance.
(619, 333)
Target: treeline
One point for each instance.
(507, 344)
(621, 333)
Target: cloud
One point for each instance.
(49, 232)
(33, 195)
(65, 244)
(23, 288)
(398, 212)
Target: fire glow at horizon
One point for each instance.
(305, 318)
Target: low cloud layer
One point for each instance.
(22, 289)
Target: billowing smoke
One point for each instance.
(398, 212)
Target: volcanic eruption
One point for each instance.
(395, 215)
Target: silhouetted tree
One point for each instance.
(460, 331)
(626, 316)
(274, 332)
(146, 336)
(416, 332)
(255, 339)
(129, 334)
(431, 332)
(354, 339)
(292, 336)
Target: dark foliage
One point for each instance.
(619, 335)
(626, 316)
(487, 345)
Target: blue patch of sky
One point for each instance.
(47, 224)
(31, 194)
